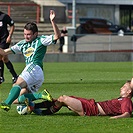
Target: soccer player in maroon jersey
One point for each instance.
(121, 107)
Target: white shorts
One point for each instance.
(33, 76)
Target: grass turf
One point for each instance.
(97, 80)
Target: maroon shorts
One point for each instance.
(89, 106)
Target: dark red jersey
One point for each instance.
(117, 106)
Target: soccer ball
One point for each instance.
(22, 109)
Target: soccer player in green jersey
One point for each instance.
(33, 47)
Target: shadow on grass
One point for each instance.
(80, 81)
(59, 114)
(66, 114)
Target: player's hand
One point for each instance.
(52, 15)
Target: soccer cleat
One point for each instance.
(46, 95)
(5, 106)
(14, 79)
(30, 105)
(2, 80)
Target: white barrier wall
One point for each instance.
(82, 57)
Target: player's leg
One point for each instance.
(45, 95)
(23, 91)
(37, 108)
(33, 75)
(1, 70)
(72, 103)
(10, 68)
(13, 94)
(3, 46)
(50, 107)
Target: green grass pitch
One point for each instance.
(99, 80)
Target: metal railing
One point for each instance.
(100, 43)
(19, 8)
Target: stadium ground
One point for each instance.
(100, 80)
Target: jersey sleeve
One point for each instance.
(47, 40)
(127, 106)
(17, 48)
(9, 20)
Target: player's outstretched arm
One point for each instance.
(57, 33)
(124, 115)
(5, 52)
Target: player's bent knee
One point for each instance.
(65, 98)
(62, 98)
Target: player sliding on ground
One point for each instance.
(121, 107)
(33, 47)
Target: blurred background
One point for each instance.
(93, 25)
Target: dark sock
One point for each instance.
(46, 112)
(11, 69)
(1, 69)
(44, 104)
(53, 109)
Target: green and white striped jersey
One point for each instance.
(34, 51)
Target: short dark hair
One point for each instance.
(31, 26)
(129, 81)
